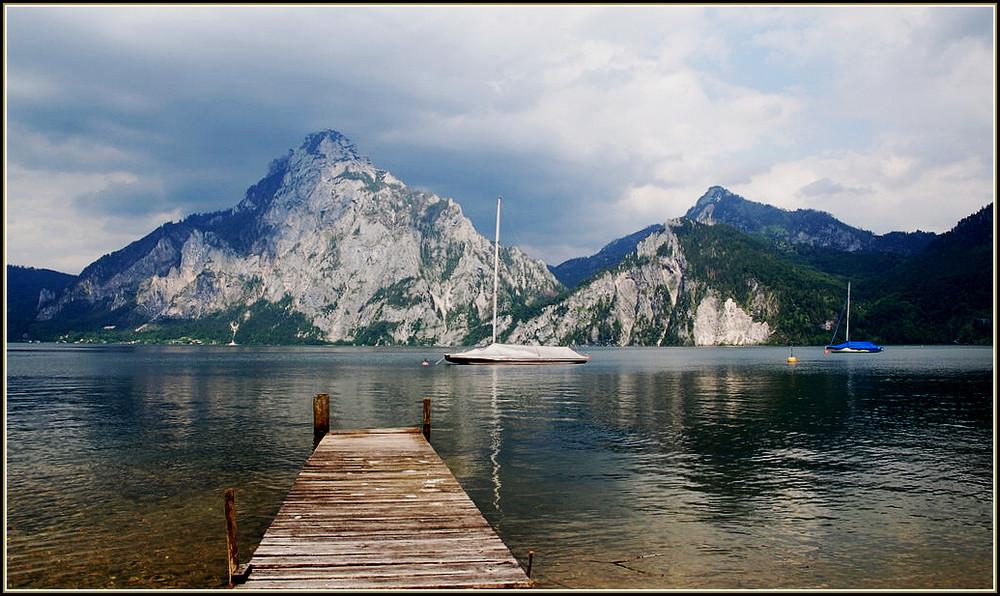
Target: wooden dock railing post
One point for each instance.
(232, 550)
(321, 417)
(427, 418)
(237, 573)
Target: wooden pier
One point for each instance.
(379, 509)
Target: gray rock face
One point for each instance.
(640, 303)
(350, 245)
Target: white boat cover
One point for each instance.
(518, 354)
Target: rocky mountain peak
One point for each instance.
(714, 194)
(704, 209)
(344, 250)
(802, 226)
(322, 156)
(331, 146)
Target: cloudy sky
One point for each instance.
(591, 121)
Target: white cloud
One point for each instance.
(879, 192)
(43, 232)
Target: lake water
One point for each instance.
(646, 468)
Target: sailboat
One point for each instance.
(849, 346)
(497, 353)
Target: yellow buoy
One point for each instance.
(791, 357)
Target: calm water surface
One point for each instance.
(646, 468)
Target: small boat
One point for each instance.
(848, 346)
(518, 354)
(509, 353)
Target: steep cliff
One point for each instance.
(649, 299)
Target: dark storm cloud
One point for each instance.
(592, 121)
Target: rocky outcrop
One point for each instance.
(647, 300)
(724, 323)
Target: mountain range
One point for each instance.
(328, 248)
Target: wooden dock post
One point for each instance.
(321, 417)
(232, 550)
(237, 573)
(427, 418)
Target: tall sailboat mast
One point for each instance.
(847, 336)
(496, 269)
(848, 345)
(513, 354)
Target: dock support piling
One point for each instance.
(531, 555)
(321, 417)
(427, 418)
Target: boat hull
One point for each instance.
(850, 351)
(854, 347)
(516, 354)
(456, 359)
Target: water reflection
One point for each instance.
(496, 434)
(751, 464)
(645, 468)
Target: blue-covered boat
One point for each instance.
(849, 346)
(854, 346)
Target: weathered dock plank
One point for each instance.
(379, 509)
